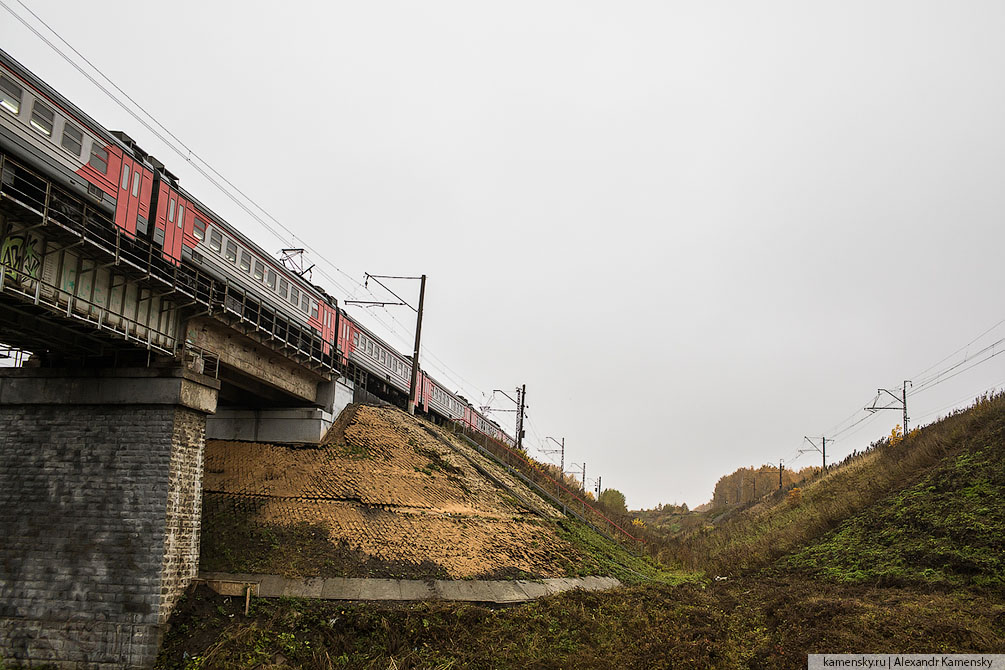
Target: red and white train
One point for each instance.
(145, 201)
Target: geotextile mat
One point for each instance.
(385, 495)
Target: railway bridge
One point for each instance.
(134, 361)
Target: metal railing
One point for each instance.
(569, 499)
(79, 222)
(30, 291)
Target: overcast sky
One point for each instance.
(697, 231)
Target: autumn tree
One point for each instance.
(613, 500)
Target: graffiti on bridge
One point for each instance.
(21, 257)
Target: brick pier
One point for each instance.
(100, 503)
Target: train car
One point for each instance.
(53, 136)
(363, 348)
(210, 243)
(143, 199)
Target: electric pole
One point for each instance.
(902, 400)
(560, 451)
(415, 395)
(822, 448)
(521, 404)
(598, 487)
(583, 473)
(779, 475)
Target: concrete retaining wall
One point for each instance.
(349, 588)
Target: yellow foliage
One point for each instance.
(639, 522)
(896, 435)
(795, 496)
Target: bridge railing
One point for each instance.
(39, 293)
(42, 203)
(297, 340)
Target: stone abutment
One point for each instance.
(100, 504)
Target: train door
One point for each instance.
(169, 223)
(327, 326)
(133, 196)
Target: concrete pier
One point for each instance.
(100, 507)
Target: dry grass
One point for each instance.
(778, 525)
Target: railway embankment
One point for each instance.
(386, 495)
(911, 565)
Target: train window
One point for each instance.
(294, 295)
(199, 230)
(216, 241)
(181, 215)
(42, 118)
(259, 271)
(99, 158)
(314, 310)
(136, 186)
(284, 287)
(245, 262)
(231, 254)
(10, 95)
(73, 139)
(170, 210)
(355, 340)
(125, 178)
(270, 279)
(305, 304)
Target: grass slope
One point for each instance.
(758, 536)
(947, 529)
(764, 623)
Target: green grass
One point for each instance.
(947, 529)
(767, 623)
(601, 556)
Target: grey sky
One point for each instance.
(696, 231)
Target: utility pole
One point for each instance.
(583, 473)
(560, 451)
(779, 475)
(521, 408)
(521, 403)
(902, 400)
(415, 395)
(822, 448)
(598, 487)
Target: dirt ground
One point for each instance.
(387, 488)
